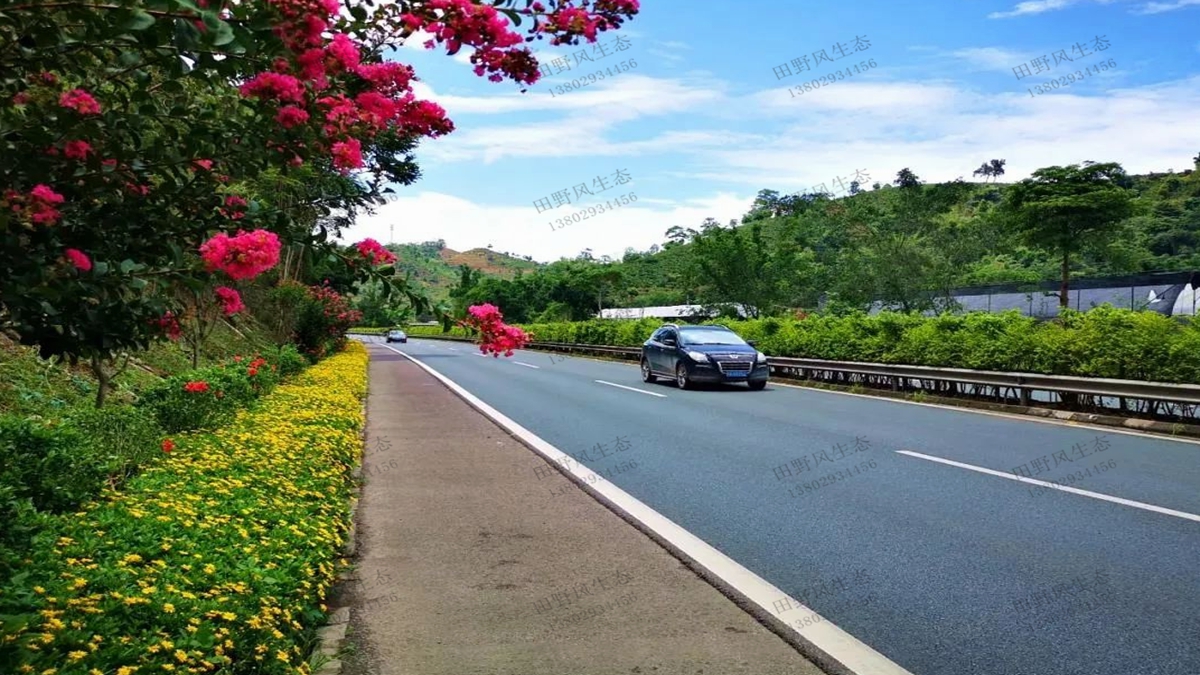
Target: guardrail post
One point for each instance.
(1024, 391)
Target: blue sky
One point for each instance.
(703, 121)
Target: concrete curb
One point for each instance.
(332, 636)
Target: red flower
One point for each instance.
(80, 101)
(197, 387)
(78, 259)
(168, 445)
(205, 164)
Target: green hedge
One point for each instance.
(1102, 342)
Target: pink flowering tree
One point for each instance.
(495, 336)
(133, 134)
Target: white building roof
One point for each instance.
(666, 312)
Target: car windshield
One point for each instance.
(710, 337)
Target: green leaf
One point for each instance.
(127, 265)
(223, 35)
(140, 20)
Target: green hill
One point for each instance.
(434, 267)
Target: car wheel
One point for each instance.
(647, 375)
(757, 386)
(681, 377)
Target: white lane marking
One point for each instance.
(1004, 415)
(453, 349)
(823, 639)
(640, 391)
(527, 365)
(478, 354)
(1054, 486)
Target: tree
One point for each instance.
(993, 169)
(1059, 207)
(906, 179)
(855, 188)
(738, 264)
(134, 133)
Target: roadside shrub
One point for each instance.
(121, 438)
(42, 463)
(198, 399)
(287, 360)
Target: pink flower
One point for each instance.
(231, 300)
(170, 325)
(41, 203)
(347, 154)
(80, 101)
(206, 164)
(291, 116)
(78, 259)
(343, 51)
(276, 86)
(20, 98)
(244, 256)
(44, 194)
(77, 150)
(375, 253)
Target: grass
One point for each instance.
(33, 386)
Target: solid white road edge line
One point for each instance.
(1054, 486)
(527, 365)
(640, 391)
(829, 642)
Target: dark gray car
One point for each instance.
(694, 354)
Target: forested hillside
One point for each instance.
(906, 244)
(435, 268)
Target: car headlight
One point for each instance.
(762, 358)
(698, 356)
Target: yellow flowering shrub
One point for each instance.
(216, 560)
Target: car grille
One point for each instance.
(728, 365)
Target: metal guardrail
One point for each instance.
(901, 377)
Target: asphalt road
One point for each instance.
(946, 569)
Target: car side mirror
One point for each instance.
(670, 342)
(752, 343)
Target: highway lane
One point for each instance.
(942, 565)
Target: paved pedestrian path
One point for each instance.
(476, 559)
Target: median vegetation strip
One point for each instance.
(1102, 342)
(216, 560)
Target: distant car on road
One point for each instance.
(397, 336)
(693, 354)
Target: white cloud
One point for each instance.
(589, 114)
(1032, 7)
(1160, 7)
(465, 225)
(989, 58)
